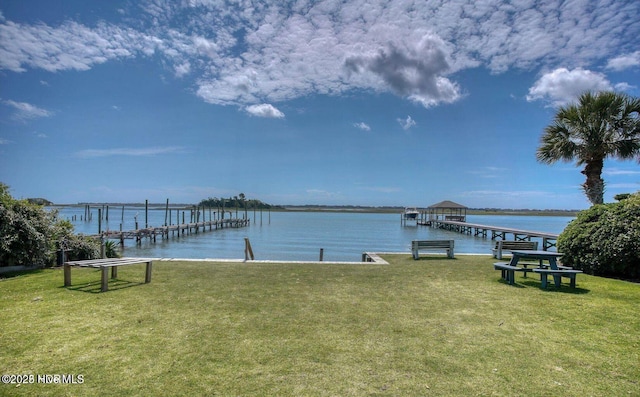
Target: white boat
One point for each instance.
(411, 213)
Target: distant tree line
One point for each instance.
(239, 201)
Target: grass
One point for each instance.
(433, 327)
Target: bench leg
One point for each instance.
(104, 281)
(543, 280)
(572, 278)
(67, 275)
(511, 277)
(557, 280)
(147, 276)
(114, 272)
(415, 254)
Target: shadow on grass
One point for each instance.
(564, 288)
(19, 273)
(433, 258)
(95, 286)
(505, 282)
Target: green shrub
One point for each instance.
(111, 249)
(81, 247)
(31, 236)
(25, 232)
(605, 239)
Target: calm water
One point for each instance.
(300, 235)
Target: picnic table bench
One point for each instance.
(507, 245)
(552, 268)
(557, 276)
(104, 265)
(417, 245)
(508, 271)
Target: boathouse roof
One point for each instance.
(447, 204)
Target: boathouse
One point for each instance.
(447, 211)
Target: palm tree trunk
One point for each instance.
(594, 185)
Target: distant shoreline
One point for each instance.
(398, 210)
(339, 208)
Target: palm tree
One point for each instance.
(599, 126)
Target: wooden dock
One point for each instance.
(548, 239)
(152, 233)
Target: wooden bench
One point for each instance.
(373, 257)
(508, 271)
(557, 276)
(417, 245)
(104, 265)
(505, 245)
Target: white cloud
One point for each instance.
(406, 123)
(26, 111)
(414, 72)
(264, 110)
(363, 126)
(245, 52)
(489, 172)
(323, 194)
(623, 62)
(562, 86)
(135, 152)
(624, 87)
(633, 186)
(68, 46)
(618, 171)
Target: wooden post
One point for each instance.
(248, 252)
(147, 276)
(104, 281)
(146, 214)
(166, 210)
(321, 254)
(67, 275)
(99, 220)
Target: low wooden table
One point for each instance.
(104, 265)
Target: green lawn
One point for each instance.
(433, 327)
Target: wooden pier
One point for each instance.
(152, 233)
(548, 239)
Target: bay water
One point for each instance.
(299, 235)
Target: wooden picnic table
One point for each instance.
(541, 256)
(555, 270)
(104, 265)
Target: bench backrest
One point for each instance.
(516, 245)
(417, 244)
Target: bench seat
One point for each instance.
(417, 245)
(508, 271)
(104, 265)
(557, 276)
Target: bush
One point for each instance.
(31, 236)
(605, 239)
(25, 232)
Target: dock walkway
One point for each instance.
(175, 230)
(548, 239)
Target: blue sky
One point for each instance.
(312, 102)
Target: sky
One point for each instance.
(374, 103)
